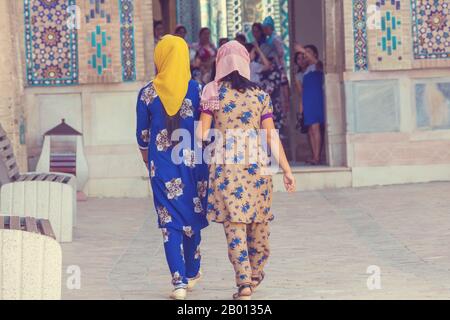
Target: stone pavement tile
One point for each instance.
(322, 243)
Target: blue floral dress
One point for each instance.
(179, 181)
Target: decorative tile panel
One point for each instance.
(50, 45)
(128, 51)
(100, 50)
(431, 29)
(389, 38)
(359, 9)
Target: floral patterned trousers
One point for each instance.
(182, 254)
(248, 249)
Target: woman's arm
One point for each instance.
(142, 127)
(274, 142)
(299, 88)
(279, 47)
(285, 97)
(204, 126)
(266, 63)
(144, 154)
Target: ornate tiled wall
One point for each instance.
(99, 43)
(103, 48)
(431, 32)
(50, 46)
(127, 40)
(397, 34)
(359, 20)
(389, 34)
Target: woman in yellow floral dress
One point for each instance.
(240, 193)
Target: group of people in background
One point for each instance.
(268, 70)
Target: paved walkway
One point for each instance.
(322, 244)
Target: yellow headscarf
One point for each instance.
(173, 65)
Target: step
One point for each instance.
(310, 178)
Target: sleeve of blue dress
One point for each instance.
(142, 123)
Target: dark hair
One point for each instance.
(203, 30)
(222, 41)
(249, 47)
(172, 123)
(314, 49)
(213, 72)
(177, 29)
(259, 26)
(241, 37)
(239, 83)
(297, 54)
(157, 23)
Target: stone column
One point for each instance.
(146, 12)
(11, 78)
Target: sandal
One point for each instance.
(256, 281)
(239, 296)
(178, 294)
(193, 281)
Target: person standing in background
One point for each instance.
(180, 31)
(313, 99)
(300, 64)
(274, 41)
(158, 30)
(258, 62)
(205, 54)
(274, 81)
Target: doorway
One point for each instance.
(166, 12)
(321, 23)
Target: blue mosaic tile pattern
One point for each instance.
(51, 47)
(128, 54)
(431, 29)
(360, 35)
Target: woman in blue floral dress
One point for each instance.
(170, 102)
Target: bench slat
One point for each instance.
(14, 223)
(31, 225)
(47, 228)
(14, 173)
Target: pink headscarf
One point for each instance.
(232, 56)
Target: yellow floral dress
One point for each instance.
(238, 192)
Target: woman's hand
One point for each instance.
(289, 182)
(299, 48)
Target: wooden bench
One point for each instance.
(46, 195)
(30, 260)
(28, 224)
